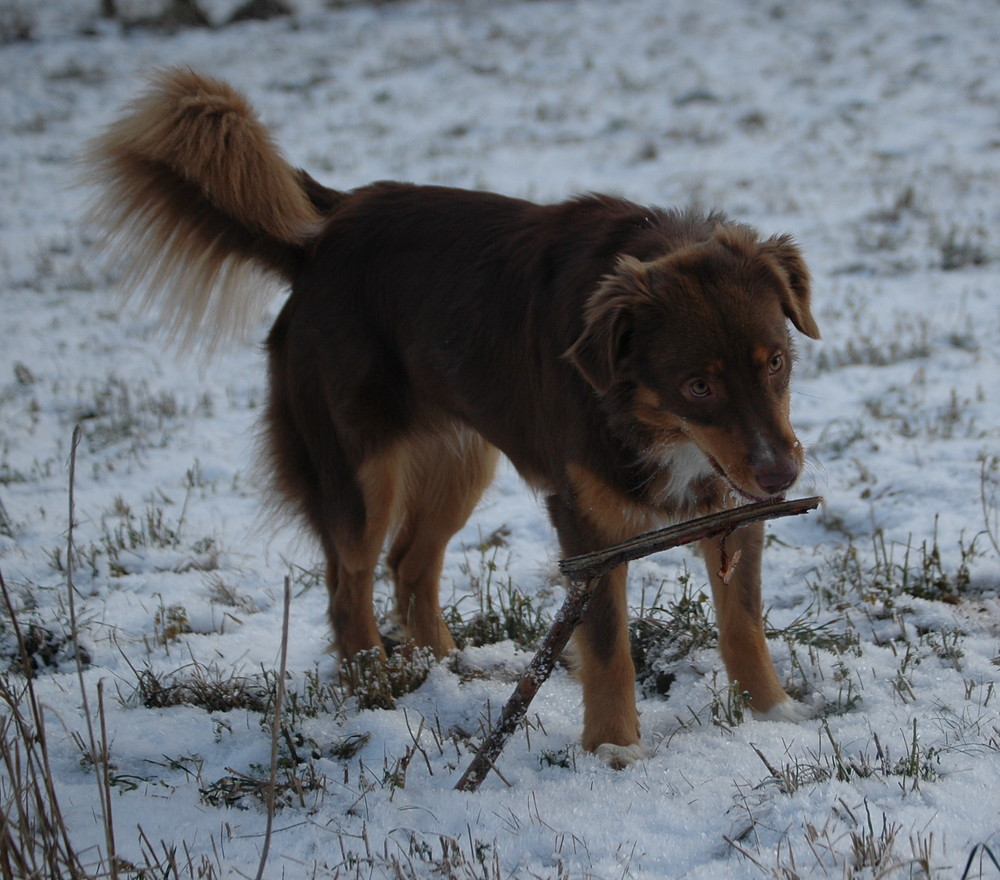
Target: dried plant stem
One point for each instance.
(279, 702)
(984, 502)
(99, 757)
(29, 777)
(584, 573)
(104, 781)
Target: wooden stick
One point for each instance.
(538, 671)
(584, 573)
(602, 561)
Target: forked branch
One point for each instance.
(584, 573)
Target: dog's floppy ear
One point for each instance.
(604, 342)
(787, 259)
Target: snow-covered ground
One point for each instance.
(870, 130)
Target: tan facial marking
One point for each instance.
(649, 410)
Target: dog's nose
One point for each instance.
(777, 476)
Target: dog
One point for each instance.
(633, 363)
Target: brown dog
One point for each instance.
(633, 363)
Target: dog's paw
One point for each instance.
(787, 710)
(620, 757)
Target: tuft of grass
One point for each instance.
(564, 758)
(852, 847)
(873, 850)
(116, 412)
(221, 592)
(242, 791)
(907, 414)
(316, 697)
(376, 683)
(729, 705)
(668, 630)
(891, 571)
(503, 612)
(208, 687)
(918, 764)
(127, 535)
(961, 247)
(171, 622)
(36, 841)
(726, 709)
(17, 25)
(42, 647)
(415, 854)
(6, 523)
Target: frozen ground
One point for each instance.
(869, 130)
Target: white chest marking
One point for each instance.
(688, 465)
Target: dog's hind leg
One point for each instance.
(444, 476)
(348, 509)
(335, 450)
(353, 553)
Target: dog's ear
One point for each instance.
(786, 257)
(604, 343)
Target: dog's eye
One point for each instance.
(776, 364)
(699, 389)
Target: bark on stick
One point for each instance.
(584, 573)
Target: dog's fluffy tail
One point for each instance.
(199, 206)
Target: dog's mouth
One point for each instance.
(754, 499)
(737, 490)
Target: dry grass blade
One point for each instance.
(34, 840)
(99, 756)
(279, 700)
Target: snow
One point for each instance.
(868, 130)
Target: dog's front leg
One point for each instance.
(734, 571)
(601, 648)
(610, 717)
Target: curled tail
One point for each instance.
(199, 206)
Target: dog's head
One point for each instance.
(697, 343)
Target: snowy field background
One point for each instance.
(870, 130)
